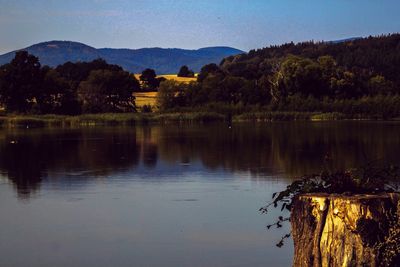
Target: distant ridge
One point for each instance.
(163, 60)
(344, 40)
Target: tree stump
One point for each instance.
(346, 230)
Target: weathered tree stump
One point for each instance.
(341, 230)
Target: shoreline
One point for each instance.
(37, 121)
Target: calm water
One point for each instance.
(164, 195)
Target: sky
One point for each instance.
(243, 24)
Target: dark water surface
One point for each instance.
(164, 195)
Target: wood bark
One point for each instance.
(340, 230)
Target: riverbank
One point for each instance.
(26, 121)
(304, 116)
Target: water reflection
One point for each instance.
(29, 158)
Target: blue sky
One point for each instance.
(244, 24)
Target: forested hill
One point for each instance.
(363, 57)
(357, 78)
(163, 61)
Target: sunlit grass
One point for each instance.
(328, 116)
(150, 98)
(179, 79)
(173, 77)
(145, 98)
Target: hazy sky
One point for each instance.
(244, 24)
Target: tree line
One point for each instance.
(299, 77)
(70, 88)
(351, 77)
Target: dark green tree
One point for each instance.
(185, 72)
(20, 82)
(207, 70)
(344, 86)
(108, 91)
(229, 90)
(79, 71)
(379, 85)
(149, 80)
(193, 94)
(53, 93)
(171, 94)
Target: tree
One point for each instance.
(74, 73)
(170, 94)
(149, 80)
(345, 85)
(20, 82)
(379, 85)
(328, 66)
(264, 94)
(207, 70)
(185, 72)
(229, 90)
(54, 93)
(301, 75)
(210, 90)
(108, 91)
(79, 71)
(193, 94)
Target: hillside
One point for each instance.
(370, 56)
(164, 61)
(354, 78)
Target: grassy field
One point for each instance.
(173, 77)
(145, 98)
(149, 98)
(179, 79)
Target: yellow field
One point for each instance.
(150, 98)
(174, 77)
(179, 79)
(145, 98)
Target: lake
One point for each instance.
(165, 195)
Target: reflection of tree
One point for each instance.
(27, 157)
(303, 148)
(106, 151)
(150, 149)
(293, 148)
(262, 149)
(28, 178)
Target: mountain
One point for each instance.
(344, 40)
(163, 60)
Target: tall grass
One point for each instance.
(190, 117)
(331, 116)
(213, 112)
(29, 121)
(33, 121)
(273, 116)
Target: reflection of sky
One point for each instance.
(193, 219)
(162, 172)
(105, 201)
